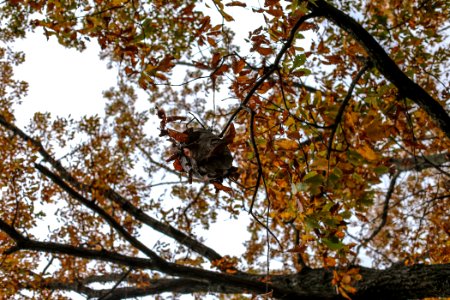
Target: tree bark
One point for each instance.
(399, 282)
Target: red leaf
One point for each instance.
(178, 136)
(221, 187)
(177, 165)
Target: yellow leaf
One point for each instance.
(118, 2)
(285, 144)
(367, 152)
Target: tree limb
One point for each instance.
(384, 63)
(397, 282)
(344, 104)
(108, 193)
(101, 212)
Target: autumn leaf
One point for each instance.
(236, 3)
(286, 144)
(264, 50)
(367, 153)
(178, 136)
(230, 134)
(221, 187)
(177, 165)
(238, 66)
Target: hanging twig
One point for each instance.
(344, 104)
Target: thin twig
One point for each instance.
(259, 177)
(269, 71)
(384, 213)
(344, 104)
(125, 275)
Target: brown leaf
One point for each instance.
(236, 3)
(238, 66)
(178, 136)
(221, 187)
(177, 165)
(175, 118)
(230, 134)
(264, 51)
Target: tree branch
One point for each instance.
(398, 282)
(384, 213)
(344, 104)
(270, 70)
(101, 212)
(108, 193)
(384, 63)
(421, 163)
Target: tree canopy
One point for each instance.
(325, 123)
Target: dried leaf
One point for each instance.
(221, 187)
(230, 134)
(177, 165)
(178, 136)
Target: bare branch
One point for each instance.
(384, 213)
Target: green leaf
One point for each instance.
(380, 170)
(311, 223)
(299, 60)
(333, 243)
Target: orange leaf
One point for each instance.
(222, 69)
(215, 59)
(230, 134)
(367, 153)
(286, 144)
(211, 41)
(221, 187)
(330, 262)
(264, 51)
(238, 66)
(177, 165)
(178, 136)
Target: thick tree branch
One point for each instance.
(400, 282)
(101, 212)
(384, 63)
(137, 213)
